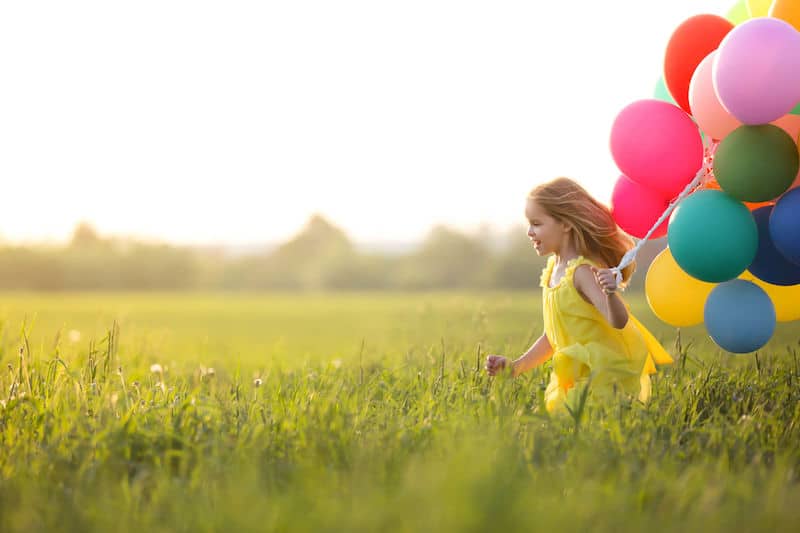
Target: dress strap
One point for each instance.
(573, 264)
(547, 272)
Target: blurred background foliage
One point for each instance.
(319, 257)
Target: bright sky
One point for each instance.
(231, 122)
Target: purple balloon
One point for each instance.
(756, 71)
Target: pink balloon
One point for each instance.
(712, 118)
(657, 144)
(756, 71)
(636, 208)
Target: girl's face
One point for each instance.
(545, 232)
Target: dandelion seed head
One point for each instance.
(74, 335)
(257, 382)
(337, 363)
(155, 368)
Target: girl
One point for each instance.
(588, 330)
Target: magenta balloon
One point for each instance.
(636, 208)
(657, 145)
(756, 71)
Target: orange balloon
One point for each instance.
(791, 124)
(689, 44)
(788, 10)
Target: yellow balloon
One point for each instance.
(738, 13)
(788, 10)
(785, 299)
(758, 8)
(674, 296)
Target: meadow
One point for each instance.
(371, 411)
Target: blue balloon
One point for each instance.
(770, 265)
(739, 316)
(784, 225)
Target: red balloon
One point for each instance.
(690, 43)
(636, 208)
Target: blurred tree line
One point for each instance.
(320, 257)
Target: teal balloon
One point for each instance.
(712, 236)
(662, 93)
(756, 163)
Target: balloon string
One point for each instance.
(703, 176)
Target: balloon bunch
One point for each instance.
(719, 145)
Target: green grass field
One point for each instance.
(331, 412)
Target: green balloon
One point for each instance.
(712, 236)
(738, 13)
(756, 163)
(796, 110)
(662, 93)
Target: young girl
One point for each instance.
(588, 330)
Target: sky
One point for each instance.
(232, 122)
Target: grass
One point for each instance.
(370, 412)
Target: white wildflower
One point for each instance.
(257, 382)
(337, 363)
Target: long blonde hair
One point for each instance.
(596, 234)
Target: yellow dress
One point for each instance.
(585, 345)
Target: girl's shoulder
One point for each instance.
(569, 271)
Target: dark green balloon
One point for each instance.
(712, 236)
(756, 163)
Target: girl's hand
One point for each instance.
(606, 278)
(495, 363)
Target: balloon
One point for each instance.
(784, 225)
(712, 118)
(796, 109)
(758, 8)
(790, 124)
(770, 265)
(636, 208)
(738, 12)
(693, 40)
(712, 236)
(674, 296)
(714, 186)
(785, 299)
(739, 316)
(788, 10)
(756, 71)
(656, 144)
(756, 163)
(662, 93)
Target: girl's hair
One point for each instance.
(596, 234)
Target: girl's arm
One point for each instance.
(588, 281)
(539, 352)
